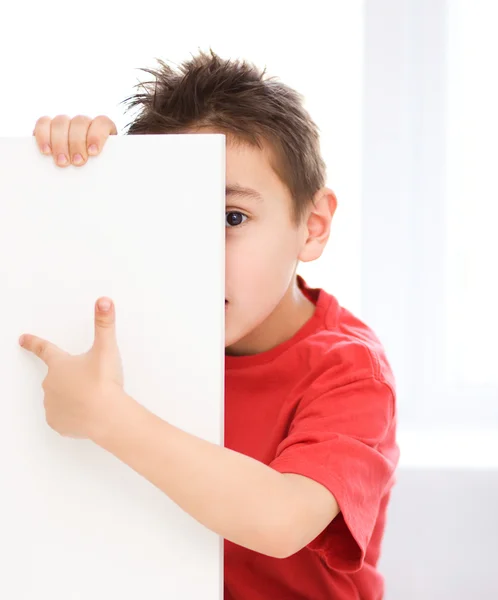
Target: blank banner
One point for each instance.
(143, 223)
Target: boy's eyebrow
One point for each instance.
(244, 192)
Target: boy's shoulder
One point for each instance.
(342, 344)
(333, 349)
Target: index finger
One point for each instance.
(44, 349)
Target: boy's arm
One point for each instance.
(237, 497)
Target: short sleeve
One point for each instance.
(344, 439)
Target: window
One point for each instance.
(429, 207)
(471, 293)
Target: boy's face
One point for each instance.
(262, 242)
(263, 247)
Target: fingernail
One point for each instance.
(21, 340)
(61, 159)
(104, 305)
(77, 159)
(93, 149)
(46, 149)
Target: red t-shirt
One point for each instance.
(321, 404)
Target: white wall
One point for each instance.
(440, 541)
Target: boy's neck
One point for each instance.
(292, 312)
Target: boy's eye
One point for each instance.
(234, 218)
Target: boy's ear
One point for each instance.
(317, 226)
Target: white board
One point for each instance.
(143, 223)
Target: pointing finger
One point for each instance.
(45, 350)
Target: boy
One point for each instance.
(299, 492)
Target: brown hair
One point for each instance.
(234, 98)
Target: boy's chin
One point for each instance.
(229, 342)
(231, 338)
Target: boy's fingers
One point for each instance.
(78, 128)
(59, 134)
(42, 134)
(100, 129)
(69, 139)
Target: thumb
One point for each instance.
(105, 325)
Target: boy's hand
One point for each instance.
(83, 393)
(71, 141)
(79, 390)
